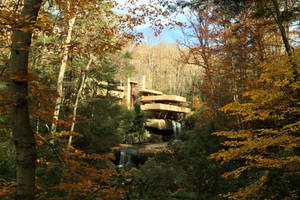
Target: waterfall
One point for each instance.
(174, 126)
(126, 158)
(177, 129)
(122, 162)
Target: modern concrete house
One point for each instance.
(160, 108)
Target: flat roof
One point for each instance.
(168, 98)
(164, 107)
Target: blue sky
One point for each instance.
(167, 35)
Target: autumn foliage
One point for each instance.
(269, 139)
(35, 37)
(236, 65)
(251, 90)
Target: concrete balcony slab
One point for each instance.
(164, 107)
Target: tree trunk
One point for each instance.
(82, 85)
(288, 48)
(280, 25)
(23, 135)
(62, 74)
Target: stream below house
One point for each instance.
(134, 155)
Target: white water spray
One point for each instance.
(177, 129)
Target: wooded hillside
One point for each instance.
(218, 117)
(164, 68)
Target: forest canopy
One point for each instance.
(69, 129)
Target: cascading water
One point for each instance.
(177, 129)
(174, 127)
(125, 158)
(122, 161)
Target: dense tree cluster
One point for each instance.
(61, 60)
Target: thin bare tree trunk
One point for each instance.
(279, 21)
(23, 134)
(82, 85)
(62, 74)
(280, 25)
